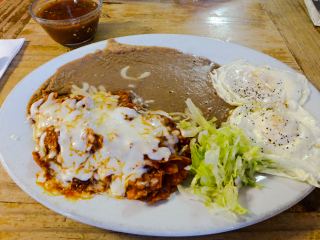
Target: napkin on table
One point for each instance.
(313, 11)
(8, 50)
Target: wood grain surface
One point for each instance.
(14, 15)
(279, 28)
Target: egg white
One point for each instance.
(240, 82)
(287, 134)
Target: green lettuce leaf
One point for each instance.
(223, 160)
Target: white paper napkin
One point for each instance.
(8, 50)
(313, 12)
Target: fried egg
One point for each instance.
(240, 82)
(287, 134)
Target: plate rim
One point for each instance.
(83, 49)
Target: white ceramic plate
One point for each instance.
(176, 216)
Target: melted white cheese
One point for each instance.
(124, 70)
(128, 135)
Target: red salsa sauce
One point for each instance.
(62, 10)
(68, 9)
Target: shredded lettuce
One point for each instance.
(223, 160)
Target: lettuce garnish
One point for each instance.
(223, 160)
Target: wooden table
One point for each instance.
(279, 28)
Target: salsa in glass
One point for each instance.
(68, 22)
(61, 10)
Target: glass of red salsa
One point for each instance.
(68, 22)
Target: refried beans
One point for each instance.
(168, 77)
